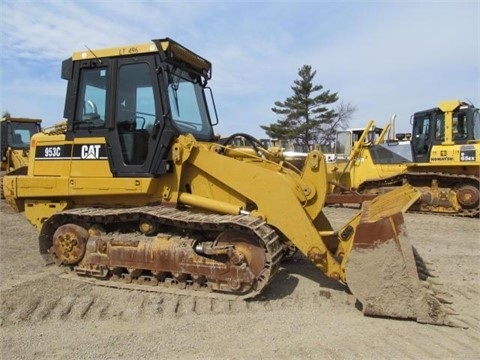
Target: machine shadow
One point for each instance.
(289, 276)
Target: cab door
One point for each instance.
(421, 137)
(139, 142)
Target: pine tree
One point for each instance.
(306, 119)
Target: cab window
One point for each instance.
(188, 107)
(135, 111)
(440, 127)
(476, 125)
(92, 103)
(421, 133)
(459, 126)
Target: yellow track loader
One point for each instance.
(441, 159)
(138, 192)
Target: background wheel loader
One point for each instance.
(15, 134)
(441, 159)
(138, 192)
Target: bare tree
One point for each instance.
(344, 112)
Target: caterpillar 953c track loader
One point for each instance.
(138, 192)
(442, 160)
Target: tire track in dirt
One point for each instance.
(86, 302)
(55, 298)
(89, 302)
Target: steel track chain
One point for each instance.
(181, 219)
(432, 175)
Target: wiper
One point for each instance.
(174, 86)
(175, 96)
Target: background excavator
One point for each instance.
(441, 158)
(137, 191)
(15, 134)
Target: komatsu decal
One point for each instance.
(446, 158)
(71, 152)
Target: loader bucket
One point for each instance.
(381, 269)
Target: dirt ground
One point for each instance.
(302, 315)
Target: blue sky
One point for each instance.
(384, 57)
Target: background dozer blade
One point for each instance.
(381, 270)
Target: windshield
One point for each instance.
(461, 129)
(476, 125)
(343, 143)
(188, 107)
(19, 134)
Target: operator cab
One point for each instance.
(15, 133)
(429, 129)
(345, 140)
(139, 99)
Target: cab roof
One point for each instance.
(144, 48)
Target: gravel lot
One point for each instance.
(302, 315)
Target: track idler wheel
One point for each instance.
(246, 250)
(69, 244)
(468, 196)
